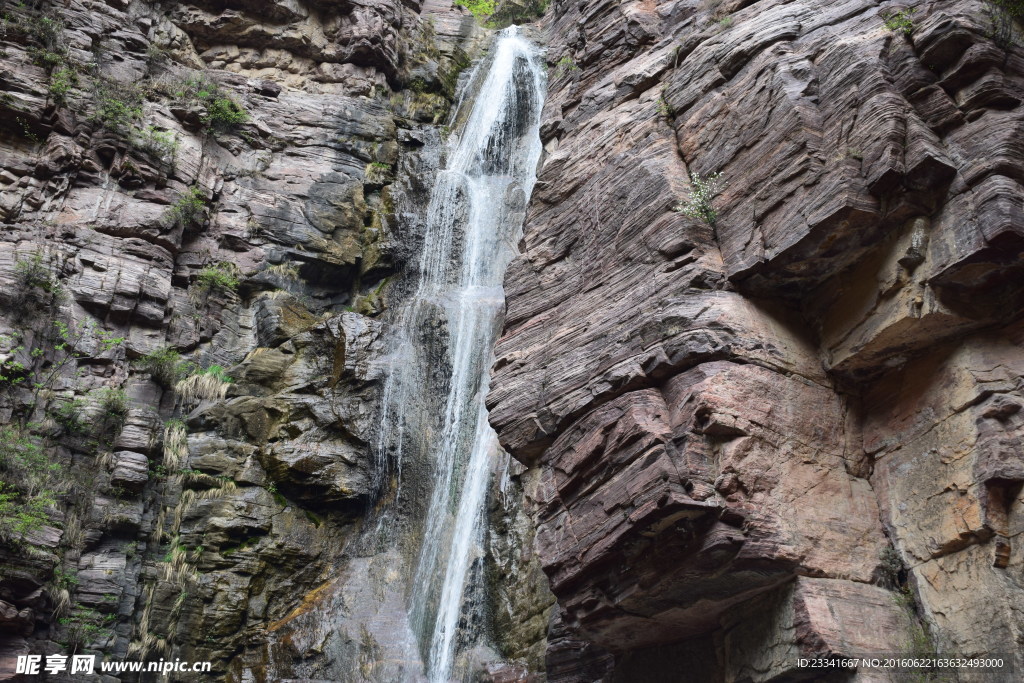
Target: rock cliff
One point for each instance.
(791, 429)
(204, 205)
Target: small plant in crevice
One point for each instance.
(664, 108)
(189, 209)
(892, 572)
(205, 385)
(162, 145)
(224, 114)
(220, 111)
(118, 107)
(565, 66)
(700, 203)
(85, 627)
(725, 22)
(164, 365)
(30, 483)
(112, 411)
(43, 32)
(61, 82)
(55, 349)
(222, 277)
(901, 21)
(69, 415)
(37, 281)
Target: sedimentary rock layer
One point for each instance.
(812, 399)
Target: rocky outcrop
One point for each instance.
(203, 207)
(792, 430)
(810, 399)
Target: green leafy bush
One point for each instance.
(61, 82)
(565, 66)
(222, 277)
(44, 33)
(160, 144)
(22, 515)
(84, 627)
(28, 484)
(69, 416)
(165, 366)
(481, 9)
(901, 21)
(25, 464)
(218, 373)
(37, 271)
(112, 411)
(189, 207)
(118, 109)
(223, 113)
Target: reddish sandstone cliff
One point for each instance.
(796, 432)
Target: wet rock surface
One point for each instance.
(204, 206)
(810, 402)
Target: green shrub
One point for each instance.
(112, 411)
(21, 515)
(161, 144)
(25, 463)
(37, 272)
(118, 111)
(565, 66)
(223, 113)
(165, 366)
(189, 207)
(84, 627)
(699, 204)
(901, 21)
(61, 81)
(219, 373)
(44, 33)
(221, 277)
(28, 483)
(68, 415)
(481, 9)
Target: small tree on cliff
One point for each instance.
(702, 193)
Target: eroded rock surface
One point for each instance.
(776, 435)
(203, 207)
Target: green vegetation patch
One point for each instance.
(481, 9)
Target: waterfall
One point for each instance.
(444, 334)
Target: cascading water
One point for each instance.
(445, 332)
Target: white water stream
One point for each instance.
(445, 333)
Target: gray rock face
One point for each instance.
(806, 401)
(203, 206)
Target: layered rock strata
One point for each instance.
(203, 207)
(792, 430)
